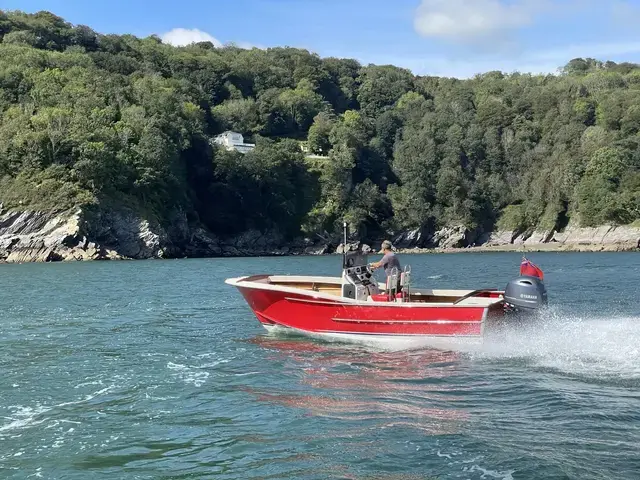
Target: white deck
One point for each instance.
(282, 280)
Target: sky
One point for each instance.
(457, 38)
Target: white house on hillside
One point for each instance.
(234, 141)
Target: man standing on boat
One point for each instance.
(388, 261)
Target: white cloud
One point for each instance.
(473, 22)
(470, 19)
(459, 68)
(184, 36)
(535, 61)
(180, 37)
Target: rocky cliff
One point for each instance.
(31, 236)
(45, 237)
(573, 237)
(605, 237)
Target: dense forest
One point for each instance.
(89, 119)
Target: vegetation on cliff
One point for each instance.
(88, 117)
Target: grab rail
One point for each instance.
(474, 293)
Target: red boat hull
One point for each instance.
(320, 315)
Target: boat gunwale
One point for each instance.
(253, 282)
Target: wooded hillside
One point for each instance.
(90, 118)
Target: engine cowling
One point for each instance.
(525, 293)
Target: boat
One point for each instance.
(356, 307)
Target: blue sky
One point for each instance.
(437, 37)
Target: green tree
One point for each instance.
(238, 115)
(93, 119)
(382, 86)
(319, 133)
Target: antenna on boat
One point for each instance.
(344, 244)
(344, 227)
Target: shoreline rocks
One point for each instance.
(47, 237)
(108, 234)
(572, 238)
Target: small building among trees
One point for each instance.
(233, 141)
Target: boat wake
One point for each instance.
(605, 348)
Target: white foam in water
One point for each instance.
(23, 417)
(189, 374)
(486, 473)
(591, 346)
(605, 347)
(37, 474)
(472, 466)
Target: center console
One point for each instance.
(357, 277)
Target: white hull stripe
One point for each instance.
(407, 322)
(366, 334)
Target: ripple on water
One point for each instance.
(113, 371)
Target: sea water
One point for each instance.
(158, 370)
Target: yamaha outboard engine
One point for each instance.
(525, 294)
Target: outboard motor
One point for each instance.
(525, 294)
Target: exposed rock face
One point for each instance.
(598, 235)
(500, 237)
(417, 238)
(123, 234)
(351, 247)
(42, 237)
(457, 236)
(45, 237)
(610, 238)
(573, 237)
(31, 236)
(454, 237)
(317, 250)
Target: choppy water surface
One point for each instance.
(158, 370)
